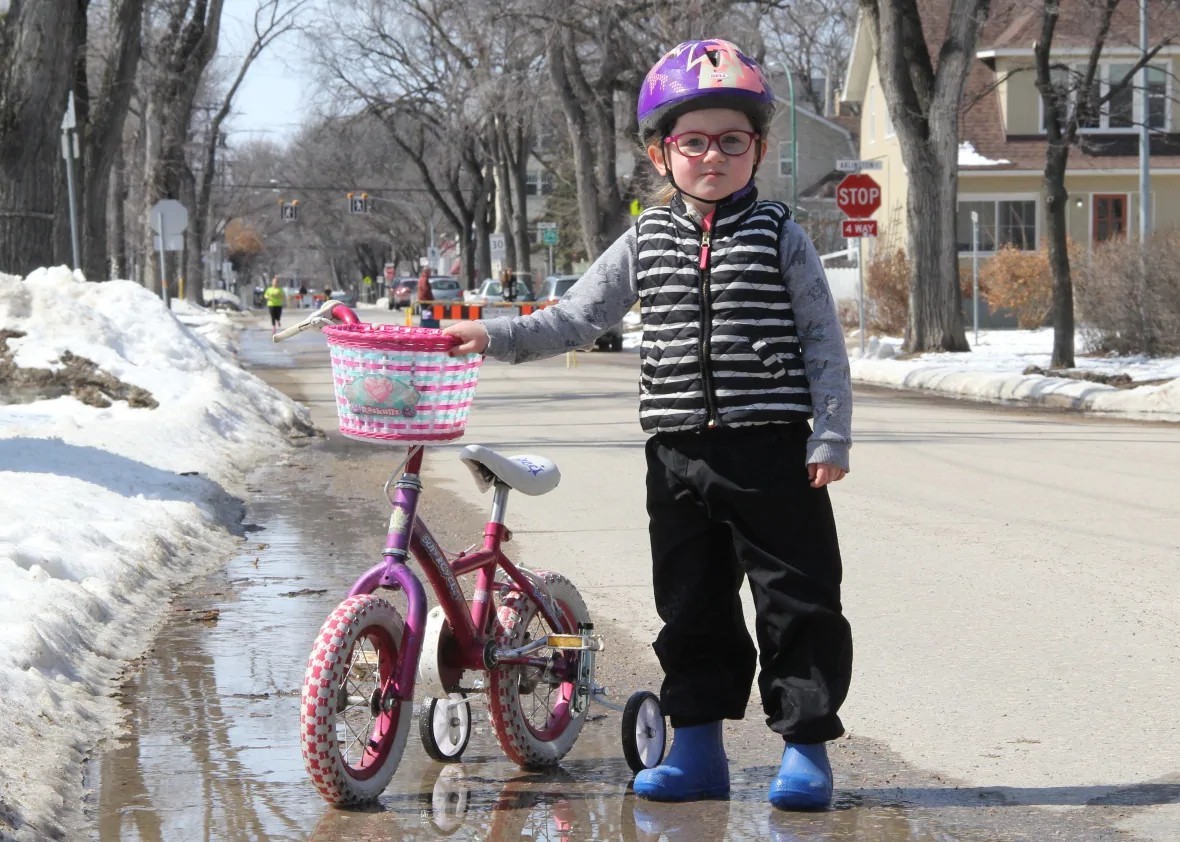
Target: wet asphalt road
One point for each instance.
(212, 746)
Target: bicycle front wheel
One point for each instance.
(353, 732)
(530, 708)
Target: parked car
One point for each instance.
(491, 291)
(555, 286)
(344, 297)
(445, 288)
(401, 292)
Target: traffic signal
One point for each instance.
(358, 202)
(289, 211)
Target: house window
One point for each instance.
(1001, 223)
(538, 183)
(1110, 217)
(784, 159)
(1122, 112)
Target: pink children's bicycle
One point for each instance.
(524, 639)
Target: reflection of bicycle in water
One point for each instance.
(458, 804)
(524, 639)
(520, 809)
(558, 807)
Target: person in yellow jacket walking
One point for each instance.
(275, 299)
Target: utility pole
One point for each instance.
(1144, 133)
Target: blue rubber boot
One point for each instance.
(804, 780)
(696, 767)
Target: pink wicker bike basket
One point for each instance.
(398, 385)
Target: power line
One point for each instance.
(342, 190)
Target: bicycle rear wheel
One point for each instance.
(530, 710)
(352, 731)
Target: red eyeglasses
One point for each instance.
(731, 142)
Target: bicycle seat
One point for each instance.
(532, 475)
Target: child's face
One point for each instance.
(713, 175)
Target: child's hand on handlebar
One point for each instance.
(472, 336)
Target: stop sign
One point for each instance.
(858, 195)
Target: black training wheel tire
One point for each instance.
(645, 735)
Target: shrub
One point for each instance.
(848, 312)
(1128, 298)
(887, 291)
(1021, 281)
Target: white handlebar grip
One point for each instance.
(288, 332)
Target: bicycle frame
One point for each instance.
(470, 623)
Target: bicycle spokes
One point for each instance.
(363, 702)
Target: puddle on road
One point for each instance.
(213, 752)
(212, 749)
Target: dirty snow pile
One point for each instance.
(993, 370)
(107, 508)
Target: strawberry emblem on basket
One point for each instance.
(380, 394)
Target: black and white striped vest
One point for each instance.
(720, 346)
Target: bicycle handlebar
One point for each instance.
(330, 312)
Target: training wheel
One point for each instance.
(644, 734)
(445, 727)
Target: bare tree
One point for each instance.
(187, 42)
(272, 20)
(924, 106)
(812, 39)
(406, 67)
(1073, 99)
(113, 59)
(598, 54)
(38, 42)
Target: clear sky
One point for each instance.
(271, 101)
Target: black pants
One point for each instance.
(732, 503)
(276, 315)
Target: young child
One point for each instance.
(741, 345)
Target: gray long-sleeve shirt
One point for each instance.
(608, 290)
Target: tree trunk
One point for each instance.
(502, 179)
(924, 105)
(117, 232)
(1056, 199)
(37, 42)
(935, 309)
(518, 160)
(581, 141)
(182, 57)
(106, 114)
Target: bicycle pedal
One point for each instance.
(591, 643)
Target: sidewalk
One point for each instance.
(994, 369)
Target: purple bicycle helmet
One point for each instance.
(703, 74)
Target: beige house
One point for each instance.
(1002, 148)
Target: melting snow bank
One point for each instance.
(993, 371)
(107, 509)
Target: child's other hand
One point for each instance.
(821, 473)
(472, 336)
